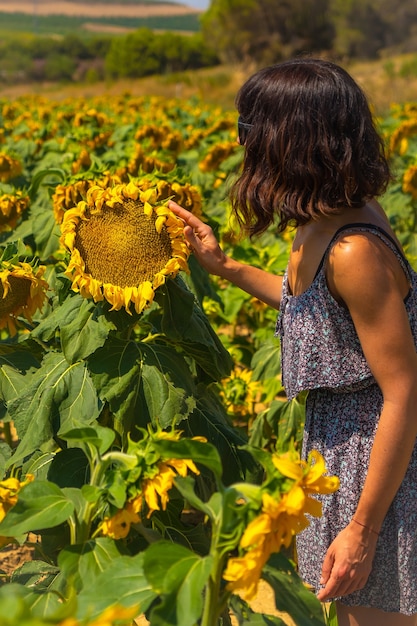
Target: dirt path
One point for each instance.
(66, 7)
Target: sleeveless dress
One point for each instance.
(321, 353)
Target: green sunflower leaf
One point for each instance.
(85, 332)
(283, 421)
(39, 177)
(5, 453)
(36, 574)
(60, 316)
(58, 396)
(202, 453)
(45, 231)
(132, 588)
(83, 324)
(116, 372)
(209, 420)
(167, 385)
(143, 382)
(11, 382)
(82, 562)
(41, 504)
(291, 595)
(69, 468)
(17, 361)
(185, 323)
(19, 605)
(179, 576)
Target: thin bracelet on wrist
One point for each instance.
(364, 526)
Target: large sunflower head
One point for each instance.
(123, 245)
(22, 292)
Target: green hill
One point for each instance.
(97, 16)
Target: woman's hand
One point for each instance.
(201, 240)
(199, 236)
(348, 562)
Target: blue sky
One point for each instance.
(197, 4)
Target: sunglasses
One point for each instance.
(242, 130)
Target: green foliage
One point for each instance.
(235, 31)
(52, 25)
(144, 53)
(172, 583)
(98, 396)
(408, 69)
(140, 53)
(267, 31)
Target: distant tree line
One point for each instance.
(77, 58)
(232, 31)
(265, 31)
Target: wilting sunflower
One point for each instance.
(118, 525)
(22, 292)
(398, 141)
(216, 155)
(142, 161)
(410, 181)
(155, 490)
(148, 483)
(11, 208)
(82, 163)
(123, 245)
(240, 392)
(282, 516)
(9, 168)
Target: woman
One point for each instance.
(347, 323)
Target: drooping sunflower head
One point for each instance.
(11, 208)
(9, 167)
(240, 392)
(216, 155)
(398, 141)
(410, 181)
(22, 292)
(123, 245)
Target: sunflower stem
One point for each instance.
(214, 604)
(73, 530)
(152, 337)
(7, 432)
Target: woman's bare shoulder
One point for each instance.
(360, 265)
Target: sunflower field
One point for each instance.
(148, 456)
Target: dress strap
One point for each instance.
(378, 231)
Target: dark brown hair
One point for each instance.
(313, 149)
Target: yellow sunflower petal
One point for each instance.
(256, 531)
(287, 466)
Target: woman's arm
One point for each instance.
(258, 283)
(367, 277)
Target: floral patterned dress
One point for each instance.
(321, 353)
